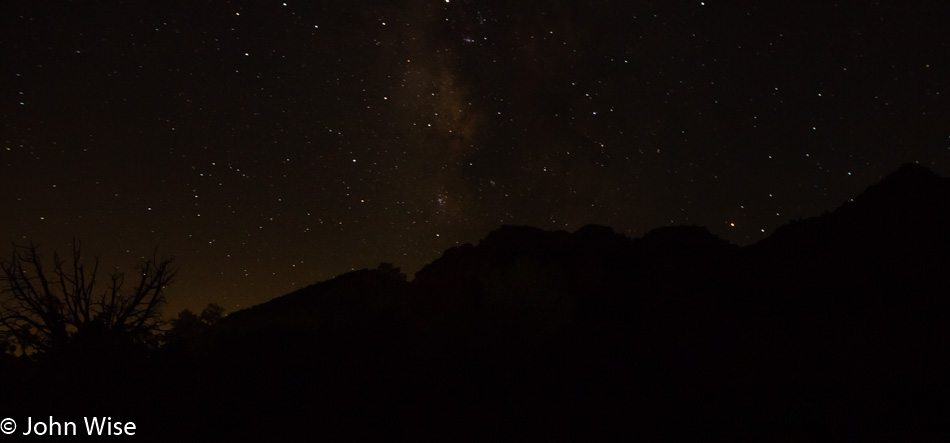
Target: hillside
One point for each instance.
(834, 326)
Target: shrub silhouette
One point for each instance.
(188, 325)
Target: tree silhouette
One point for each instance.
(43, 311)
(7, 346)
(188, 325)
(391, 270)
(211, 314)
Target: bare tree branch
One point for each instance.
(44, 311)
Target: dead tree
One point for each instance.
(44, 310)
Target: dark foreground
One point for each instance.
(834, 328)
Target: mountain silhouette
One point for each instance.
(895, 232)
(833, 326)
(798, 335)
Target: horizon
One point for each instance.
(269, 146)
(412, 277)
(171, 314)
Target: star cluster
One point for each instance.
(269, 145)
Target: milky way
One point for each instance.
(270, 145)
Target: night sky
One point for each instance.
(271, 145)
